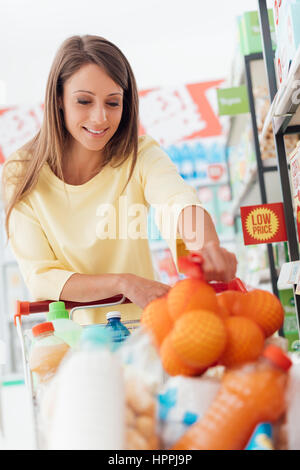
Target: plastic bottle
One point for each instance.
(249, 395)
(89, 412)
(65, 328)
(118, 330)
(47, 351)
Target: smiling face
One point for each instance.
(92, 105)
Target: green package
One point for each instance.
(249, 31)
(290, 326)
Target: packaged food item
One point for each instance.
(267, 144)
(47, 352)
(88, 408)
(144, 375)
(118, 331)
(140, 414)
(262, 438)
(65, 328)
(182, 401)
(249, 394)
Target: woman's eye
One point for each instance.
(114, 105)
(83, 102)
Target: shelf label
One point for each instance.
(263, 224)
(233, 100)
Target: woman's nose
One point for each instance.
(99, 114)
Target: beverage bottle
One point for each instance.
(118, 331)
(65, 328)
(89, 412)
(249, 395)
(47, 351)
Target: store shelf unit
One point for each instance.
(287, 124)
(261, 168)
(255, 189)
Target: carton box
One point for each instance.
(288, 39)
(290, 328)
(280, 8)
(249, 29)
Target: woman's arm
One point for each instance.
(198, 232)
(90, 287)
(87, 288)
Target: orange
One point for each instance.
(245, 341)
(262, 307)
(155, 318)
(191, 294)
(172, 363)
(199, 338)
(226, 300)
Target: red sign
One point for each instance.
(176, 114)
(263, 224)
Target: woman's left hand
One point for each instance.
(218, 263)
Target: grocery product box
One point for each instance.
(294, 161)
(290, 328)
(249, 30)
(280, 8)
(288, 39)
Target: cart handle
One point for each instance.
(27, 308)
(191, 265)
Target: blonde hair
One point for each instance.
(49, 143)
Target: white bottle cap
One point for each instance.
(114, 314)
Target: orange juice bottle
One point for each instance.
(250, 394)
(47, 351)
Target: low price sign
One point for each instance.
(263, 224)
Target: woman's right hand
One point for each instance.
(141, 291)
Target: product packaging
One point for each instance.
(144, 376)
(84, 409)
(249, 29)
(181, 402)
(288, 37)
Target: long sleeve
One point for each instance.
(43, 274)
(167, 192)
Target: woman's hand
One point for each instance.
(140, 290)
(218, 263)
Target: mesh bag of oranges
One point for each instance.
(199, 325)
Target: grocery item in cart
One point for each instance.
(249, 395)
(118, 331)
(262, 438)
(65, 328)
(144, 376)
(140, 414)
(182, 401)
(47, 351)
(89, 408)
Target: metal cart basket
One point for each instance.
(24, 308)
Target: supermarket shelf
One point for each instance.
(250, 194)
(285, 108)
(259, 79)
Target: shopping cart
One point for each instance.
(24, 308)
(190, 265)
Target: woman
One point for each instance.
(73, 192)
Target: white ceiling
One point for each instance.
(166, 41)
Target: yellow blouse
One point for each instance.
(61, 229)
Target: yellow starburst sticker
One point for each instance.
(262, 224)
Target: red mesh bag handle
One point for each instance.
(191, 265)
